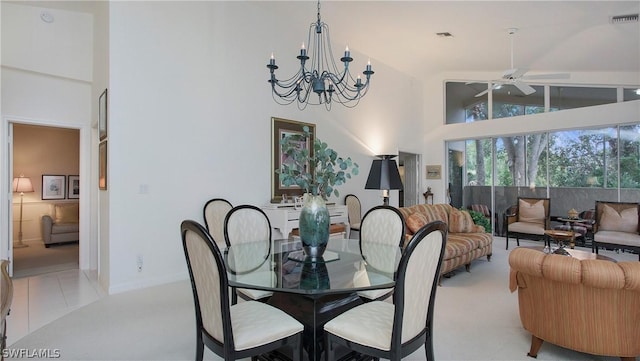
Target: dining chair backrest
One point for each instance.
(354, 210)
(416, 285)
(6, 297)
(249, 224)
(246, 223)
(224, 328)
(405, 324)
(215, 211)
(381, 226)
(208, 281)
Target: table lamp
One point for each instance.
(21, 184)
(384, 175)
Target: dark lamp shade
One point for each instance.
(384, 174)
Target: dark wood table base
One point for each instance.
(313, 313)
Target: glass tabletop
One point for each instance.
(285, 269)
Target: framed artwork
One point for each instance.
(279, 129)
(434, 171)
(73, 187)
(102, 165)
(53, 186)
(102, 115)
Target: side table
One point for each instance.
(561, 236)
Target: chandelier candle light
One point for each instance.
(322, 77)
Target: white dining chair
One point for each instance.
(381, 329)
(246, 329)
(247, 223)
(381, 227)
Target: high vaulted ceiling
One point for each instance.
(553, 36)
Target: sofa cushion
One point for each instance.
(460, 222)
(416, 221)
(67, 213)
(425, 213)
(526, 227)
(614, 237)
(625, 221)
(458, 246)
(58, 228)
(531, 212)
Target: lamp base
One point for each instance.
(20, 244)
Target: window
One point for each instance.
(464, 106)
(569, 97)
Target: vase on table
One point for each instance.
(314, 275)
(314, 225)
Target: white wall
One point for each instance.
(41, 89)
(62, 47)
(190, 119)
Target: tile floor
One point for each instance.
(38, 300)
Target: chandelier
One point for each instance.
(322, 77)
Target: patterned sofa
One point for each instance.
(590, 306)
(466, 241)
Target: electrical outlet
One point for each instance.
(139, 262)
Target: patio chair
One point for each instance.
(530, 221)
(617, 226)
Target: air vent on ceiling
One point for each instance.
(619, 19)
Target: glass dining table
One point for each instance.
(313, 291)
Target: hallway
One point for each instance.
(38, 300)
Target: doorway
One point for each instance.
(409, 167)
(46, 217)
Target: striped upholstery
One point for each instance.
(589, 306)
(461, 248)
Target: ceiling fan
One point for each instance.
(516, 77)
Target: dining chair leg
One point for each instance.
(199, 346)
(297, 348)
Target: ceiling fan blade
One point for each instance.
(509, 73)
(548, 76)
(481, 93)
(514, 73)
(496, 84)
(524, 88)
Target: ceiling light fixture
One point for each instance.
(46, 16)
(322, 77)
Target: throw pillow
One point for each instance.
(625, 221)
(67, 213)
(531, 212)
(460, 222)
(416, 221)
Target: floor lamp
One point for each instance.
(384, 175)
(21, 184)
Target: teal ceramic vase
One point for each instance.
(314, 275)
(314, 225)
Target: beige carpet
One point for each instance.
(37, 259)
(476, 318)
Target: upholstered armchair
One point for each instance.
(531, 219)
(617, 226)
(589, 306)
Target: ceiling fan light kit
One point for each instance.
(516, 76)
